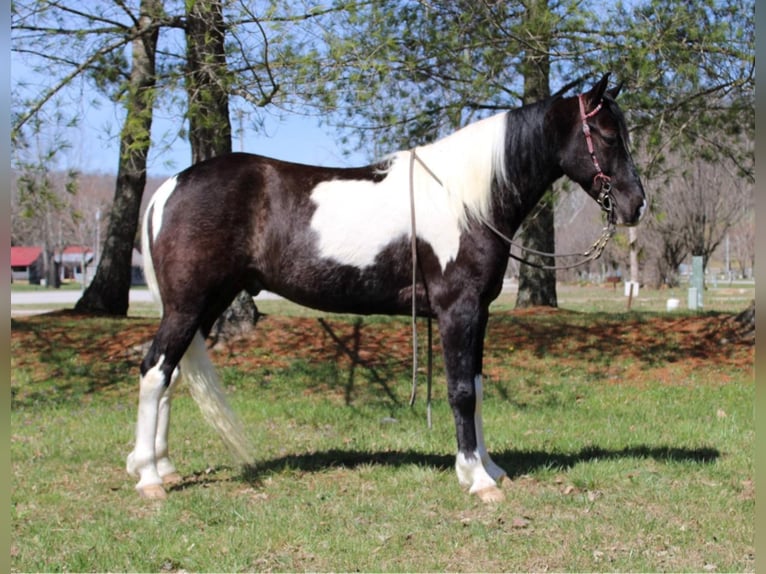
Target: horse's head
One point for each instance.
(593, 151)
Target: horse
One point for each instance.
(340, 240)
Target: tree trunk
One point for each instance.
(207, 81)
(537, 286)
(740, 328)
(110, 289)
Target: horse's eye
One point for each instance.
(609, 139)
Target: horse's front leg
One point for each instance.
(462, 332)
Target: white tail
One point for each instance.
(199, 373)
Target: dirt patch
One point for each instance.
(633, 344)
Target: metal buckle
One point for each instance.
(605, 199)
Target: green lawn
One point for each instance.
(628, 439)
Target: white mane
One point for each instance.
(466, 162)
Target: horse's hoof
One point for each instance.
(152, 492)
(491, 494)
(171, 479)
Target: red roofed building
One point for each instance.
(27, 264)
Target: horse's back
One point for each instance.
(242, 220)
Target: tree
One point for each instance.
(740, 248)
(701, 203)
(538, 286)
(88, 45)
(109, 291)
(207, 80)
(68, 44)
(41, 200)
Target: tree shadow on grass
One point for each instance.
(516, 463)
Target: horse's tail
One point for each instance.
(199, 373)
(195, 367)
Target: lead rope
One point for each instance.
(590, 254)
(414, 248)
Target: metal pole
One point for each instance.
(97, 251)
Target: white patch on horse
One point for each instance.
(493, 470)
(158, 201)
(142, 461)
(356, 219)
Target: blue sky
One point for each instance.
(293, 137)
(95, 140)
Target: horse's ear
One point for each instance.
(566, 88)
(614, 92)
(597, 92)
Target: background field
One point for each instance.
(628, 437)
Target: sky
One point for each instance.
(95, 140)
(293, 137)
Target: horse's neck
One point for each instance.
(532, 167)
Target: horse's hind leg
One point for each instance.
(165, 467)
(149, 460)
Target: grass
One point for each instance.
(628, 439)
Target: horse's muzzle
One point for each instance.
(628, 213)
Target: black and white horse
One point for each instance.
(339, 240)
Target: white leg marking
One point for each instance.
(471, 473)
(494, 471)
(164, 465)
(478, 472)
(142, 461)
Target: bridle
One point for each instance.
(603, 181)
(605, 199)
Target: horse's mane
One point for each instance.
(466, 163)
(475, 160)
